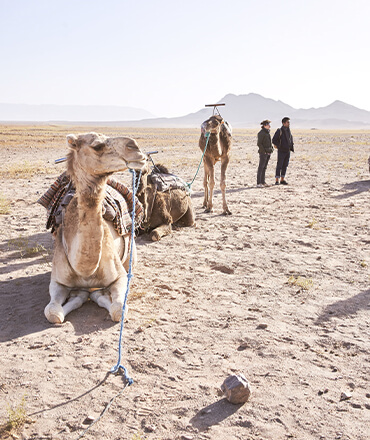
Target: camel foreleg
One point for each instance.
(62, 302)
(160, 231)
(112, 300)
(205, 186)
(224, 164)
(209, 170)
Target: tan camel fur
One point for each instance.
(87, 250)
(218, 148)
(162, 209)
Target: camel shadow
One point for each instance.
(354, 189)
(22, 303)
(214, 414)
(345, 308)
(26, 249)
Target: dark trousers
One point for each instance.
(282, 163)
(264, 160)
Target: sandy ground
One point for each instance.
(279, 291)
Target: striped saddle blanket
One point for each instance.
(117, 205)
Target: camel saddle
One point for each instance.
(117, 205)
(166, 181)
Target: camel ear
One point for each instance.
(72, 140)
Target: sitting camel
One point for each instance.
(163, 208)
(218, 148)
(88, 251)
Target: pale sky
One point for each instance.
(172, 57)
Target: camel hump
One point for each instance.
(228, 128)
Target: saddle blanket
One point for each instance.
(165, 182)
(117, 205)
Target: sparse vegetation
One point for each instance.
(4, 205)
(22, 244)
(17, 417)
(133, 295)
(24, 170)
(312, 224)
(301, 282)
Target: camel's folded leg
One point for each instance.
(54, 310)
(76, 299)
(160, 232)
(112, 302)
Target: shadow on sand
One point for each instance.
(354, 189)
(22, 303)
(214, 414)
(345, 308)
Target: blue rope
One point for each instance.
(129, 276)
(207, 135)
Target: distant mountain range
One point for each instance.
(247, 111)
(242, 111)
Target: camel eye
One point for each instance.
(99, 147)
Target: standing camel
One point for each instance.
(218, 148)
(88, 251)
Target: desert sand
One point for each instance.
(279, 292)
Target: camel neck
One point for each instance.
(87, 242)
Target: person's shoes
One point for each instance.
(277, 183)
(283, 182)
(259, 185)
(266, 185)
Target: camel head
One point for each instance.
(213, 124)
(99, 155)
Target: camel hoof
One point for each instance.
(54, 314)
(116, 312)
(208, 210)
(155, 236)
(227, 212)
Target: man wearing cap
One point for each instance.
(264, 149)
(283, 141)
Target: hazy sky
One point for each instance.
(171, 57)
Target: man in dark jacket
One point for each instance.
(283, 141)
(264, 149)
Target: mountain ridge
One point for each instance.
(241, 111)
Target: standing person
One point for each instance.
(264, 149)
(283, 141)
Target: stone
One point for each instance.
(150, 428)
(345, 396)
(89, 420)
(236, 389)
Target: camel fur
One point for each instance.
(162, 209)
(218, 148)
(88, 251)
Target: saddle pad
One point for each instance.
(165, 182)
(117, 205)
